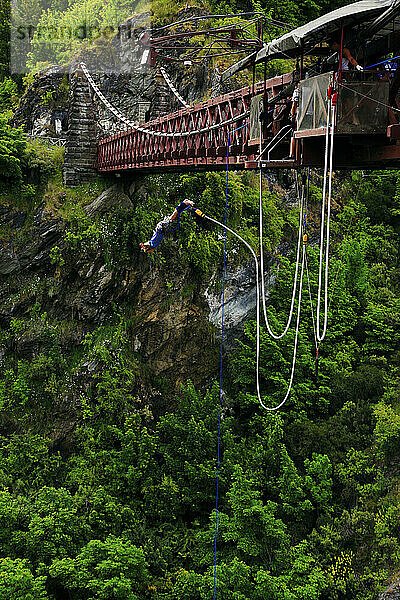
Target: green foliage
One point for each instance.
(253, 527)
(294, 14)
(64, 30)
(28, 383)
(5, 10)
(56, 257)
(8, 94)
(12, 149)
(44, 162)
(318, 482)
(18, 582)
(113, 384)
(14, 388)
(54, 527)
(27, 462)
(387, 431)
(83, 233)
(113, 568)
(116, 233)
(47, 98)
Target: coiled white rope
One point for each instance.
(274, 335)
(256, 268)
(173, 88)
(132, 125)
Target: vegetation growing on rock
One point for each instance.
(109, 406)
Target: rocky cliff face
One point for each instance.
(45, 99)
(174, 313)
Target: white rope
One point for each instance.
(326, 199)
(132, 125)
(296, 339)
(173, 88)
(274, 335)
(287, 394)
(311, 304)
(270, 331)
(322, 226)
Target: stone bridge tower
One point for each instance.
(81, 144)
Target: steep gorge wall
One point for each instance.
(172, 310)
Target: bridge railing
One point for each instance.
(48, 139)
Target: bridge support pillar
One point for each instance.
(81, 144)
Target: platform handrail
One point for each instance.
(268, 146)
(288, 128)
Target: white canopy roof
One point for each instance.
(318, 30)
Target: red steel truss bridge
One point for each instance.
(262, 126)
(195, 137)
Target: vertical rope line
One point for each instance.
(328, 222)
(325, 200)
(220, 369)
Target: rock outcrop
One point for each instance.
(45, 100)
(392, 592)
(109, 199)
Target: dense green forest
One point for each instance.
(107, 493)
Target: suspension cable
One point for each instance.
(133, 125)
(173, 88)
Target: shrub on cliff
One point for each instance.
(8, 94)
(12, 151)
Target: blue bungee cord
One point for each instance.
(221, 360)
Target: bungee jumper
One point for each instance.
(163, 227)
